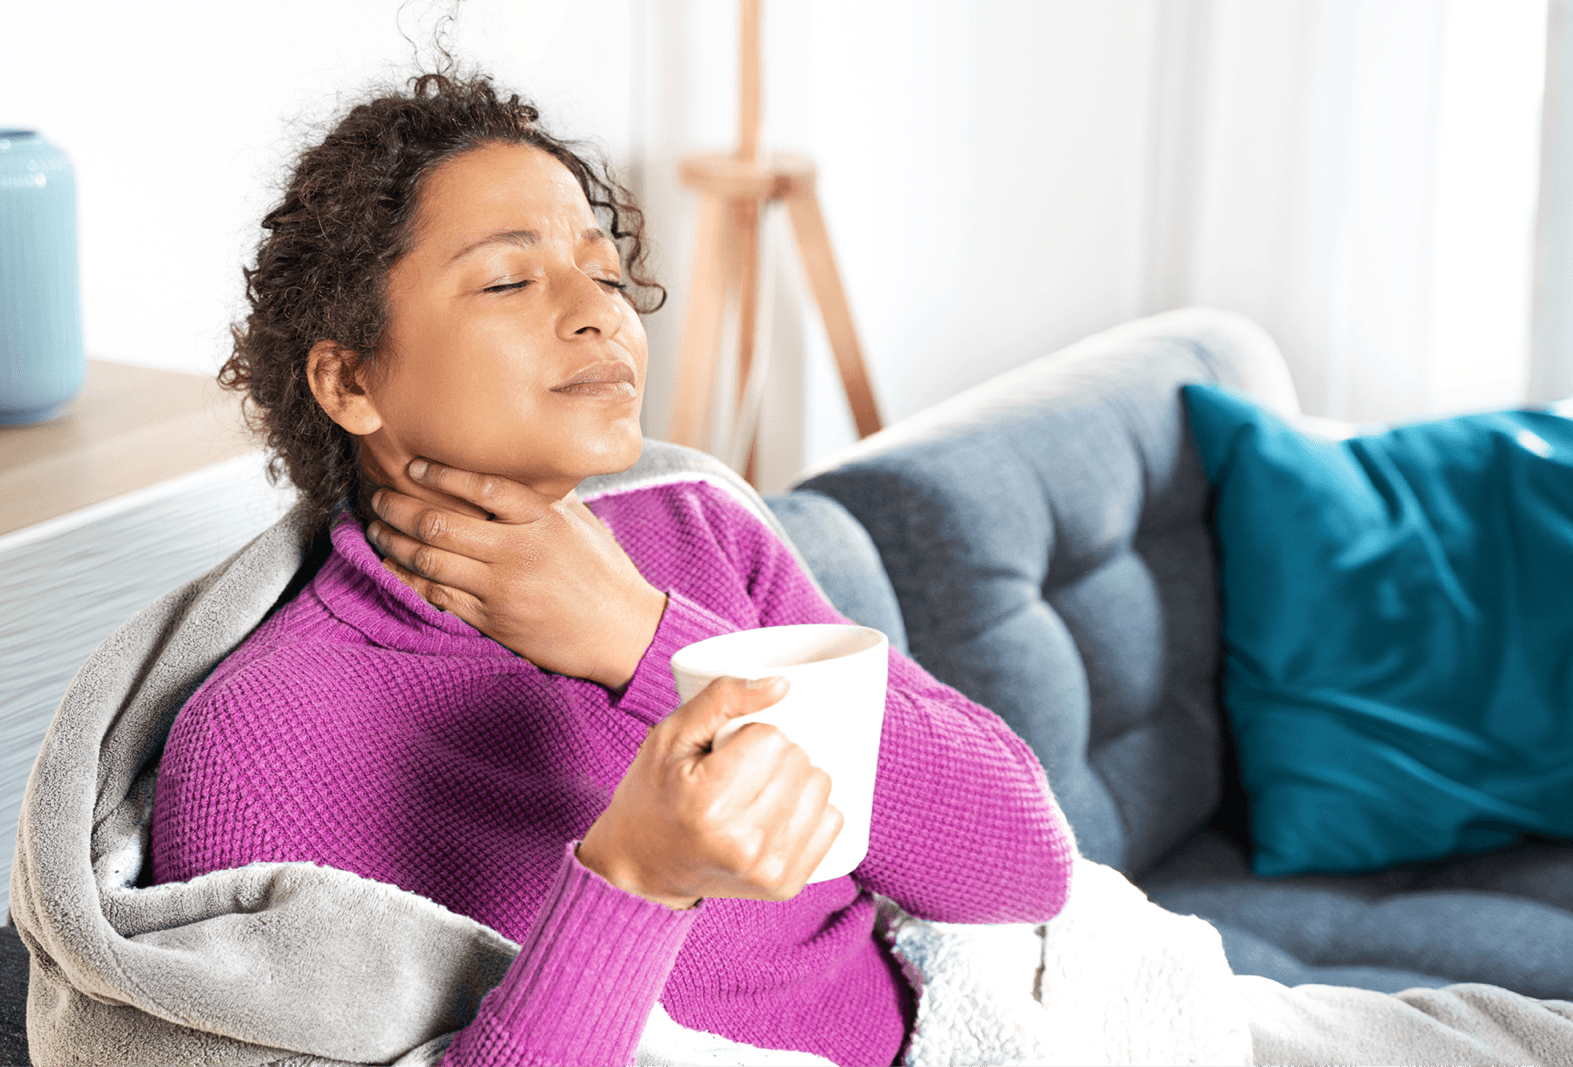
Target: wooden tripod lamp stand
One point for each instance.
(736, 189)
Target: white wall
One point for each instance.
(180, 117)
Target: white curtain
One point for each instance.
(1551, 348)
(1360, 177)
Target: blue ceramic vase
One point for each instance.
(41, 358)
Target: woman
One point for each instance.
(472, 701)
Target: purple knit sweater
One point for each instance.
(363, 729)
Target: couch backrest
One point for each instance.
(843, 559)
(1046, 536)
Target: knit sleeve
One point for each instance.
(584, 982)
(652, 694)
(965, 827)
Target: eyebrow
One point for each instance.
(524, 239)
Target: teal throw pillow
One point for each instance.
(1398, 632)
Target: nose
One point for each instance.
(587, 306)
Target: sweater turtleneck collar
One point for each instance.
(356, 588)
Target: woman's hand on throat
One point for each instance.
(543, 577)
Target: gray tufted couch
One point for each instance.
(1042, 543)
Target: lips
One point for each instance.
(610, 378)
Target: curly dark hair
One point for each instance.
(346, 218)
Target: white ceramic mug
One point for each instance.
(834, 710)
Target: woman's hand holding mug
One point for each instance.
(751, 819)
(543, 577)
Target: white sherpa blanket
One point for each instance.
(291, 963)
(1113, 979)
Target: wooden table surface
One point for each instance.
(130, 427)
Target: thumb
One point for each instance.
(723, 700)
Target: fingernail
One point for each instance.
(762, 683)
(373, 532)
(418, 468)
(377, 500)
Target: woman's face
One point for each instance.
(510, 347)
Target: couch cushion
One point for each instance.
(1045, 535)
(842, 559)
(1504, 918)
(1396, 632)
(14, 966)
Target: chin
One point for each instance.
(608, 454)
(621, 456)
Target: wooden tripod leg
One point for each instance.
(745, 246)
(819, 263)
(696, 361)
(745, 269)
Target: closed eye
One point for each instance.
(610, 283)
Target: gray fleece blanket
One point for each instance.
(271, 963)
(292, 963)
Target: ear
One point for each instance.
(337, 376)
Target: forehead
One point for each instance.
(500, 187)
